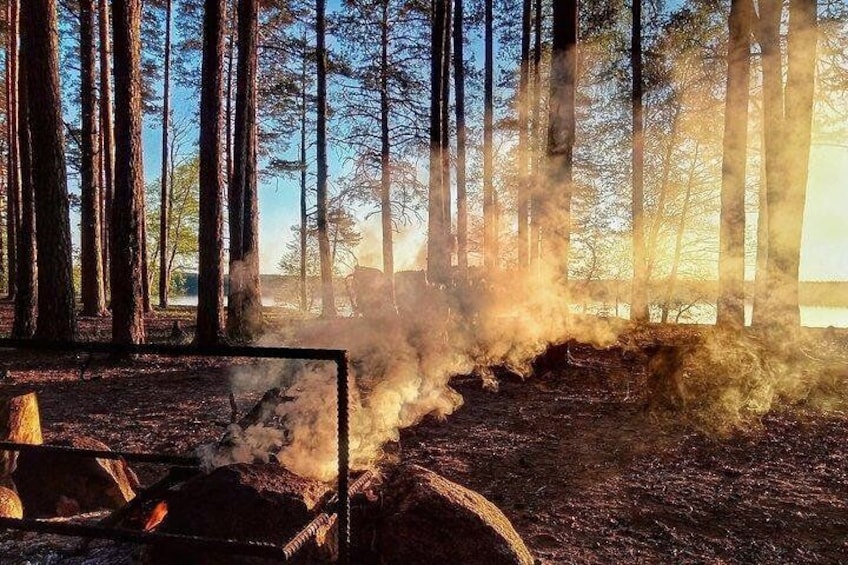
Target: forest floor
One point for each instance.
(570, 454)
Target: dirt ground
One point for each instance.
(570, 455)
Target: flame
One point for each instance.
(156, 516)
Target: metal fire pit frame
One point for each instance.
(256, 549)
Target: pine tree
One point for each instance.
(91, 253)
(56, 315)
(244, 307)
(210, 284)
(126, 269)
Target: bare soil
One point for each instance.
(570, 455)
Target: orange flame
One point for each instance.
(156, 516)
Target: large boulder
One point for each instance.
(247, 502)
(428, 519)
(62, 484)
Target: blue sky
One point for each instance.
(825, 239)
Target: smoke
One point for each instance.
(401, 367)
(731, 379)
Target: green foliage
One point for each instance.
(183, 222)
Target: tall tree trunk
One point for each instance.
(13, 173)
(145, 263)
(3, 214)
(536, 155)
(639, 294)
(758, 317)
(786, 198)
(127, 261)
(438, 252)
(244, 307)
(164, 272)
(556, 205)
(56, 315)
(328, 300)
(490, 230)
(26, 294)
(461, 191)
(91, 242)
(523, 197)
(107, 133)
(731, 300)
(210, 284)
(385, 147)
(768, 36)
(447, 214)
(228, 116)
(678, 243)
(304, 218)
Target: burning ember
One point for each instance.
(156, 516)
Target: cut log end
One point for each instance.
(19, 423)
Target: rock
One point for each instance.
(248, 502)
(10, 504)
(427, 519)
(55, 484)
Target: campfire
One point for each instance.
(238, 512)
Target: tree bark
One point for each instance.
(438, 252)
(328, 301)
(56, 314)
(385, 148)
(26, 293)
(91, 242)
(231, 9)
(461, 190)
(127, 261)
(536, 155)
(639, 294)
(490, 230)
(210, 284)
(786, 199)
(107, 133)
(13, 175)
(523, 161)
(445, 153)
(244, 308)
(758, 317)
(164, 271)
(731, 301)
(304, 218)
(556, 205)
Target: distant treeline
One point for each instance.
(812, 293)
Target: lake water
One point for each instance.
(191, 300)
(811, 316)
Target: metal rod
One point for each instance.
(255, 352)
(325, 518)
(338, 356)
(194, 543)
(307, 533)
(344, 461)
(156, 458)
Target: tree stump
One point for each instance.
(19, 423)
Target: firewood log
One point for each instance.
(19, 423)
